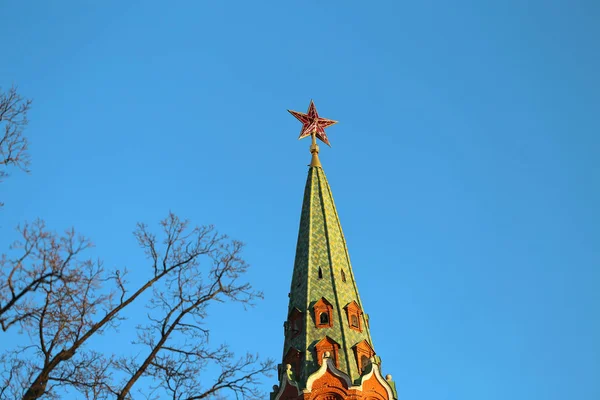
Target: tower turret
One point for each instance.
(328, 352)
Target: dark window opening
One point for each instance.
(320, 273)
(343, 276)
(365, 362)
(324, 318)
(295, 323)
(323, 313)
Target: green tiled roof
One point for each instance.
(321, 245)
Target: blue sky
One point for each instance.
(465, 166)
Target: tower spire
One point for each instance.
(328, 351)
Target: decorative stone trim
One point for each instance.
(376, 371)
(293, 358)
(288, 384)
(328, 364)
(372, 384)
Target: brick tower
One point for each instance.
(328, 353)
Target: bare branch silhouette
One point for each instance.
(66, 309)
(13, 119)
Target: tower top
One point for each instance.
(328, 352)
(313, 126)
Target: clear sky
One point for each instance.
(465, 165)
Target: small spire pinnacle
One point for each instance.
(313, 126)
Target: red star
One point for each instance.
(312, 123)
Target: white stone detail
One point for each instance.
(377, 372)
(285, 381)
(327, 364)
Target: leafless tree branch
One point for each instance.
(43, 257)
(175, 336)
(13, 119)
(72, 300)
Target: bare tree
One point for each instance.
(43, 258)
(63, 314)
(13, 119)
(176, 339)
(61, 301)
(179, 375)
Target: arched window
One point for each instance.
(363, 353)
(324, 318)
(323, 313)
(354, 314)
(343, 276)
(320, 273)
(295, 322)
(327, 345)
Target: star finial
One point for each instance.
(312, 124)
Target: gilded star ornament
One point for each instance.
(313, 124)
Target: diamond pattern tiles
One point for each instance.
(321, 245)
